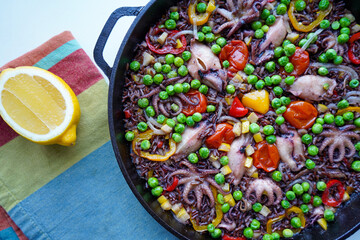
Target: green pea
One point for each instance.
(186, 87)
(354, 83)
(193, 158)
(278, 52)
(254, 128)
(302, 42)
(129, 136)
(343, 38)
(356, 166)
(335, 25)
(181, 118)
(206, 29)
(180, 128)
(300, 5)
(150, 111)
(174, 15)
(321, 186)
(226, 64)
(170, 24)
(190, 122)
(252, 79)
(343, 104)
(148, 80)
(220, 198)
(203, 89)
(204, 152)
(357, 146)
(221, 41)
(317, 201)
(329, 118)
(304, 208)
(183, 71)
(276, 79)
(267, 237)
(265, 28)
(276, 103)
(210, 108)
(348, 116)
(312, 35)
(257, 207)
(265, 14)
(158, 78)
(166, 68)
(345, 30)
(313, 150)
(268, 130)
(306, 198)
(275, 236)
(161, 119)
(306, 138)
(298, 189)
(197, 117)
(157, 191)
(256, 25)
(142, 126)
(310, 164)
(216, 234)
(153, 182)
(201, 7)
(259, 33)
(323, 58)
(230, 89)
(249, 69)
(323, 4)
(178, 88)
(186, 55)
(329, 215)
(286, 2)
(170, 122)
(330, 54)
(176, 137)
(255, 224)
(289, 49)
(280, 110)
(285, 204)
(345, 22)
(277, 176)
(325, 24)
(357, 122)
(317, 128)
(281, 9)
(225, 207)
(338, 60)
(143, 102)
(306, 186)
(195, 84)
(224, 160)
(163, 95)
(296, 222)
(170, 90)
(323, 71)
(339, 121)
(278, 91)
(200, 36)
(271, 139)
(219, 178)
(145, 144)
(178, 61)
(209, 37)
(135, 66)
(210, 228)
(248, 232)
(216, 49)
(172, 74)
(290, 195)
(268, 81)
(279, 120)
(289, 67)
(270, 20)
(288, 233)
(270, 66)
(237, 195)
(259, 84)
(283, 61)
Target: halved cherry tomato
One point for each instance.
(237, 53)
(300, 60)
(237, 109)
(336, 200)
(300, 114)
(266, 156)
(223, 134)
(227, 237)
(195, 96)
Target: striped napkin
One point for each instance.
(57, 192)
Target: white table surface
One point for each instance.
(24, 25)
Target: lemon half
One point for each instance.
(39, 105)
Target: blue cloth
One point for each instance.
(8, 234)
(90, 200)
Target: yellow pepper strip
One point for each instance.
(300, 215)
(348, 109)
(202, 18)
(153, 157)
(215, 221)
(307, 28)
(257, 100)
(270, 222)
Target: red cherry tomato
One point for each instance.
(237, 109)
(195, 96)
(237, 53)
(266, 156)
(223, 134)
(300, 114)
(300, 60)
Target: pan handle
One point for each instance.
(105, 33)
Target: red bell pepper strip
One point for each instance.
(224, 133)
(227, 237)
(167, 47)
(337, 199)
(237, 109)
(352, 57)
(127, 114)
(173, 185)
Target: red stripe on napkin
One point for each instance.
(6, 221)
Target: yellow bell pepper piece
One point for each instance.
(258, 137)
(248, 162)
(257, 100)
(245, 127)
(178, 44)
(307, 28)
(224, 147)
(153, 157)
(348, 109)
(322, 222)
(225, 170)
(200, 18)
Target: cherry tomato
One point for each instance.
(237, 109)
(300, 60)
(224, 133)
(300, 114)
(266, 156)
(195, 96)
(237, 53)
